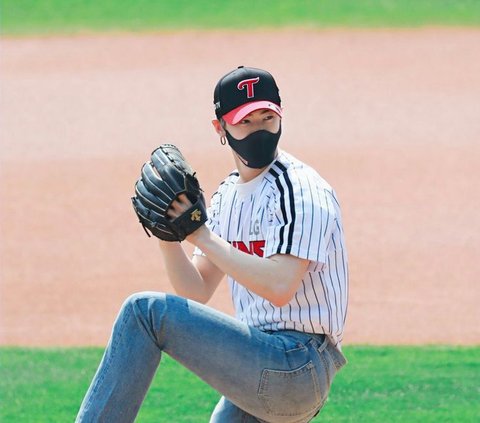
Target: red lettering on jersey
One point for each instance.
(257, 247)
(240, 245)
(249, 84)
(253, 248)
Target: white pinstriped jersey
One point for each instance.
(288, 209)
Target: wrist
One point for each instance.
(198, 235)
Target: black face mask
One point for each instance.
(257, 149)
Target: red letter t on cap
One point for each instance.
(249, 84)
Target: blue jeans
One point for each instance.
(276, 377)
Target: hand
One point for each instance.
(168, 200)
(179, 206)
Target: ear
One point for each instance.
(218, 127)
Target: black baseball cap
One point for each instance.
(244, 90)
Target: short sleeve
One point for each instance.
(303, 218)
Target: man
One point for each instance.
(275, 230)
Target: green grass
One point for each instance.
(380, 384)
(71, 16)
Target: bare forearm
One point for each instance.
(272, 279)
(184, 276)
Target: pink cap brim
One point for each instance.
(236, 115)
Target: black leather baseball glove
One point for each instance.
(166, 176)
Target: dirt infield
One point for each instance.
(389, 118)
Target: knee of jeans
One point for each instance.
(142, 301)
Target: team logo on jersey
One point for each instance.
(248, 85)
(255, 227)
(253, 247)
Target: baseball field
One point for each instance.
(381, 97)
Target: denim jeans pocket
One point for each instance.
(290, 393)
